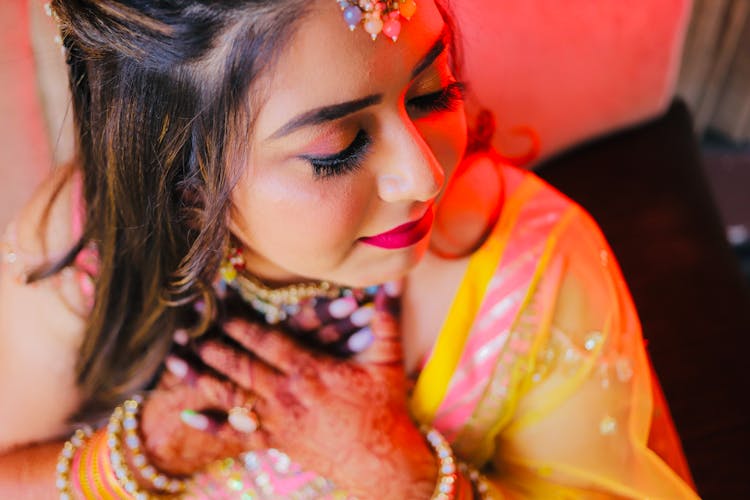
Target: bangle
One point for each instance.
(122, 473)
(157, 480)
(69, 450)
(445, 487)
(123, 429)
(105, 483)
(478, 481)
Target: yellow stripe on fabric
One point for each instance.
(552, 402)
(517, 373)
(433, 381)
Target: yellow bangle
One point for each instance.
(84, 469)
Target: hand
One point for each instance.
(179, 431)
(346, 419)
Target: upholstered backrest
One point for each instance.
(572, 69)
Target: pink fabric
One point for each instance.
(499, 310)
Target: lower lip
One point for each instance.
(403, 236)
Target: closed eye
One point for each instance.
(448, 98)
(343, 162)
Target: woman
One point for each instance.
(265, 143)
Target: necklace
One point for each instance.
(276, 304)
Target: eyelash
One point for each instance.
(446, 99)
(341, 163)
(350, 159)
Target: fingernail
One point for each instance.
(363, 315)
(194, 419)
(360, 340)
(393, 288)
(177, 366)
(181, 337)
(343, 307)
(243, 421)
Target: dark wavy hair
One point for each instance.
(162, 103)
(160, 98)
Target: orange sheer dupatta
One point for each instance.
(565, 407)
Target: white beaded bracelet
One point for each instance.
(62, 471)
(445, 488)
(132, 441)
(123, 428)
(119, 464)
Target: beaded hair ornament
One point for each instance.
(378, 16)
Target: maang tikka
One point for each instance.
(378, 16)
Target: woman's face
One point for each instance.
(353, 139)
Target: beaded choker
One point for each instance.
(276, 304)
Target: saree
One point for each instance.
(538, 377)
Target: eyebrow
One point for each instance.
(333, 112)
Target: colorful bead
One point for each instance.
(407, 8)
(377, 16)
(374, 25)
(391, 29)
(352, 16)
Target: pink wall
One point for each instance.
(24, 152)
(572, 69)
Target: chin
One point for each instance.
(395, 266)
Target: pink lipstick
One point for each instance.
(404, 235)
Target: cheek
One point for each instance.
(288, 212)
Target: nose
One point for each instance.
(411, 171)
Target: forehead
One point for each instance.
(325, 63)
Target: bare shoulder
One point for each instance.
(42, 323)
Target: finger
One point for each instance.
(386, 346)
(258, 439)
(272, 346)
(238, 436)
(250, 374)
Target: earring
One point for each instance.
(233, 263)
